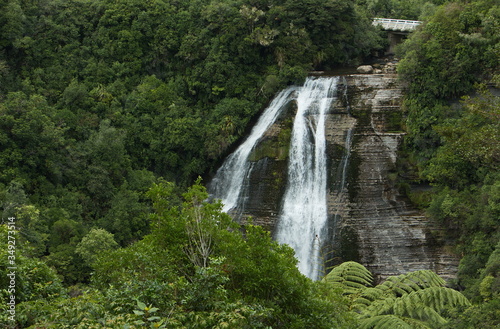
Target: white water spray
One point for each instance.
(229, 179)
(303, 218)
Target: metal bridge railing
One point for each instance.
(396, 24)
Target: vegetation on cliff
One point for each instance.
(452, 67)
(110, 109)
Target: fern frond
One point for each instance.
(352, 277)
(416, 324)
(366, 297)
(413, 281)
(437, 298)
(421, 312)
(378, 307)
(426, 304)
(388, 321)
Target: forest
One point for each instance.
(113, 112)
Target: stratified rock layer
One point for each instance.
(389, 235)
(369, 221)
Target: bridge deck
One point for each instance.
(389, 24)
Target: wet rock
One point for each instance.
(369, 220)
(391, 236)
(365, 69)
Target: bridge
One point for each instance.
(397, 30)
(396, 25)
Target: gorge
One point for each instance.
(318, 171)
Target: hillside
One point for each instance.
(110, 110)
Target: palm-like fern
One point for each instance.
(391, 321)
(412, 300)
(351, 277)
(397, 286)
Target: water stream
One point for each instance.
(229, 179)
(303, 215)
(303, 218)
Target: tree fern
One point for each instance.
(368, 296)
(351, 277)
(427, 303)
(384, 322)
(412, 300)
(413, 281)
(390, 321)
(404, 307)
(377, 307)
(395, 286)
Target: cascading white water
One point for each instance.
(303, 218)
(228, 181)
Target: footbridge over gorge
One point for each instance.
(397, 30)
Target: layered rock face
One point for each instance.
(369, 221)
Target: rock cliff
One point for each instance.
(369, 221)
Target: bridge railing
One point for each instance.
(396, 24)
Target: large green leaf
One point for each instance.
(409, 282)
(384, 321)
(351, 277)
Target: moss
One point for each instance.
(364, 116)
(275, 147)
(269, 148)
(394, 121)
(421, 199)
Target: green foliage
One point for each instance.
(94, 243)
(31, 279)
(454, 144)
(248, 280)
(441, 60)
(399, 9)
(146, 316)
(97, 94)
(389, 321)
(413, 300)
(351, 277)
(485, 315)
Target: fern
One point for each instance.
(418, 311)
(412, 300)
(414, 281)
(384, 321)
(352, 277)
(378, 307)
(433, 298)
(367, 296)
(391, 321)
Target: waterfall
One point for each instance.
(311, 207)
(303, 215)
(228, 182)
(303, 218)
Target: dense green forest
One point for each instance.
(111, 110)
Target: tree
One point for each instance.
(413, 300)
(34, 279)
(96, 242)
